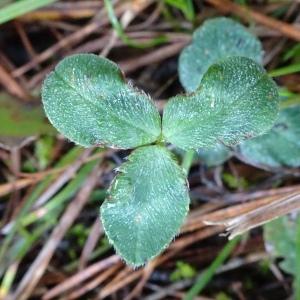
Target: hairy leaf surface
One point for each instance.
(280, 238)
(216, 39)
(147, 204)
(280, 146)
(235, 101)
(87, 99)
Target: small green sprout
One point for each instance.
(88, 100)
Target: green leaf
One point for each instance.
(215, 40)
(183, 271)
(146, 206)
(280, 146)
(19, 120)
(235, 101)
(280, 239)
(214, 156)
(87, 99)
(235, 182)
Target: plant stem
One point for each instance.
(187, 160)
(117, 26)
(206, 276)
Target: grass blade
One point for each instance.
(206, 276)
(20, 8)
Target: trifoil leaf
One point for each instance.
(278, 147)
(215, 40)
(146, 206)
(235, 101)
(87, 99)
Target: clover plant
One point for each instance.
(216, 39)
(213, 41)
(280, 146)
(88, 100)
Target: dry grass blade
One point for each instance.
(171, 290)
(7, 188)
(38, 267)
(94, 283)
(69, 40)
(198, 222)
(13, 86)
(153, 57)
(250, 15)
(244, 222)
(81, 276)
(94, 235)
(147, 271)
(130, 278)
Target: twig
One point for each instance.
(13, 86)
(153, 57)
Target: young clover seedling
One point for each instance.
(87, 99)
(213, 41)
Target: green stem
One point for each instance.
(188, 160)
(207, 275)
(117, 26)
